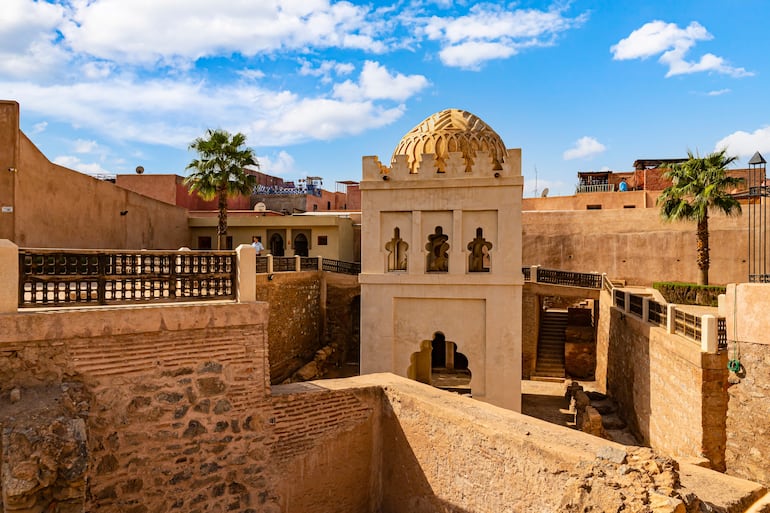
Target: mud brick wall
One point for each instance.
(325, 451)
(748, 415)
(673, 396)
(296, 320)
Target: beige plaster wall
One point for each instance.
(633, 245)
(480, 311)
(745, 308)
(242, 226)
(607, 201)
(673, 395)
(56, 207)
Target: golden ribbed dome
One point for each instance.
(451, 130)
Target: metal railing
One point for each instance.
(603, 187)
(262, 266)
(283, 264)
(527, 272)
(308, 263)
(573, 279)
(721, 333)
(339, 266)
(55, 277)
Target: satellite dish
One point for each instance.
(139, 170)
(545, 192)
(260, 207)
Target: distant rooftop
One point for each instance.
(642, 164)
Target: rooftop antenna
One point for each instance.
(536, 180)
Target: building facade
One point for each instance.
(441, 257)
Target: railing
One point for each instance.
(687, 324)
(721, 333)
(527, 272)
(658, 313)
(339, 266)
(262, 266)
(573, 279)
(104, 277)
(759, 278)
(607, 284)
(603, 187)
(283, 264)
(308, 264)
(635, 305)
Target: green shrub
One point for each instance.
(689, 293)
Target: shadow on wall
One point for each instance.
(404, 483)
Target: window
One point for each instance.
(593, 207)
(204, 242)
(323, 240)
(438, 252)
(629, 206)
(328, 205)
(315, 208)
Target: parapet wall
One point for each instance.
(672, 394)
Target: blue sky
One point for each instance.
(107, 85)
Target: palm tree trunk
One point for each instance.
(702, 235)
(222, 225)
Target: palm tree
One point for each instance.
(219, 171)
(699, 185)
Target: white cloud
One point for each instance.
(585, 148)
(471, 54)
(718, 92)
(491, 32)
(377, 83)
(27, 38)
(744, 144)
(76, 164)
(151, 31)
(83, 146)
(673, 44)
(325, 69)
(324, 119)
(277, 164)
(39, 127)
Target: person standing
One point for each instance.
(256, 241)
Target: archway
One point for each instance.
(438, 363)
(300, 245)
(276, 245)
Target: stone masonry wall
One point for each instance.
(177, 400)
(748, 428)
(672, 395)
(295, 326)
(162, 409)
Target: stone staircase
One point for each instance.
(550, 346)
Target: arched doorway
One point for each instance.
(276, 245)
(438, 363)
(300, 245)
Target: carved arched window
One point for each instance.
(478, 259)
(438, 252)
(397, 252)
